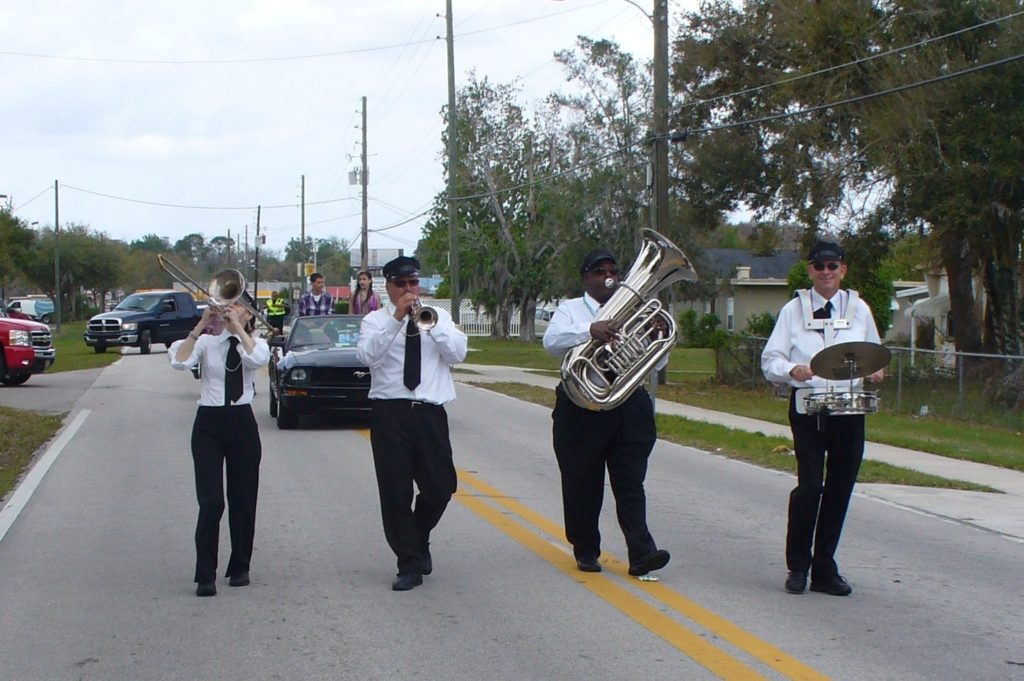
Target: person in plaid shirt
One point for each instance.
(316, 300)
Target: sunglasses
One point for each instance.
(820, 266)
(402, 283)
(606, 271)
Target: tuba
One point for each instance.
(600, 376)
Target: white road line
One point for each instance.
(10, 512)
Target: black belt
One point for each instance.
(410, 404)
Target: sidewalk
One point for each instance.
(1001, 513)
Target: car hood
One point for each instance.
(328, 357)
(23, 324)
(124, 315)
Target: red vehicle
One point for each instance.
(25, 349)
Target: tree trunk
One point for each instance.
(966, 326)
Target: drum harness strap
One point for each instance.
(828, 328)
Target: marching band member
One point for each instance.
(410, 382)
(224, 433)
(586, 442)
(816, 512)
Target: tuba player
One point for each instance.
(586, 442)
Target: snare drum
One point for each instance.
(841, 403)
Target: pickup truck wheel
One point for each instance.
(45, 319)
(286, 418)
(145, 341)
(15, 380)
(273, 403)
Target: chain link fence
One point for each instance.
(957, 385)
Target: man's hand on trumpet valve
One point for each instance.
(604, 330)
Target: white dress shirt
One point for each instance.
(212, 352)
(791, 344)
(382, 348)
(570, 326)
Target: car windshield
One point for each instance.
(323, 332)
(140, 301)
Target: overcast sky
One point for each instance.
(125, 104)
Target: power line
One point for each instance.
(192, 207)
(855, 62)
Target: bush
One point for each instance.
(341, 307)
(700, 332)
(760, 325)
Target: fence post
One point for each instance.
(899, 381)
(960, 361)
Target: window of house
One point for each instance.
(730, 316)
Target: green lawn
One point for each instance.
(757, 448)
(690, 381)
(74, 354)
(21, 434)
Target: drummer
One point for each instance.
(817, 318)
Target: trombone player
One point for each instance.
(586, 442)
(410, 351)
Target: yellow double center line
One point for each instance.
(687, 640)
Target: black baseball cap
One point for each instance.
(826, 250)
(596, 256)
(402, 266)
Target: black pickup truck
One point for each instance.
(144, 318)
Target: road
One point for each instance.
(95, 571)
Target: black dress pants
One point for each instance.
(225, 437)
(817, 512)
(586, 442)
(411, 444)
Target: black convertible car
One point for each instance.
(314, 370)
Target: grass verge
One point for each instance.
(756, 448)
(73, 354)
(690, 371)
(21, 434)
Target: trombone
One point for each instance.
(225, 289)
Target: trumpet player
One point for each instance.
(410, 364)
(224, 433)
(587, 442)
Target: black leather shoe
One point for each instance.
(427, 563)
(796, 582)
(649, 563)
(588, 565)
(206, 589)
(407, 581)
(241, 579)
(833, 586)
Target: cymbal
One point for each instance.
(850, 360)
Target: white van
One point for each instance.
(40, 309)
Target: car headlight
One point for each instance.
(21, 338)
(129, 326)
(298, 376)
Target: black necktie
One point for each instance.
(232, 374)
(411, 374)
(824, 312)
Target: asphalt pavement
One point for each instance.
(1001, 512)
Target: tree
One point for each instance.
(941, 160)
(16, 240)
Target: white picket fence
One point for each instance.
(474, 322)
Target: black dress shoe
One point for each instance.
(206, 589)
(588, 565)
(407, 581)
(833, 586)
(796, 582)
(649, 563)
(241, 579)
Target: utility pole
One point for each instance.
(256, 262)
(659, 214)
(453, 217)
(302, 223)
(364, 245)
(56, 251)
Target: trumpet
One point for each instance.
(425, 317)
(225, 289)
